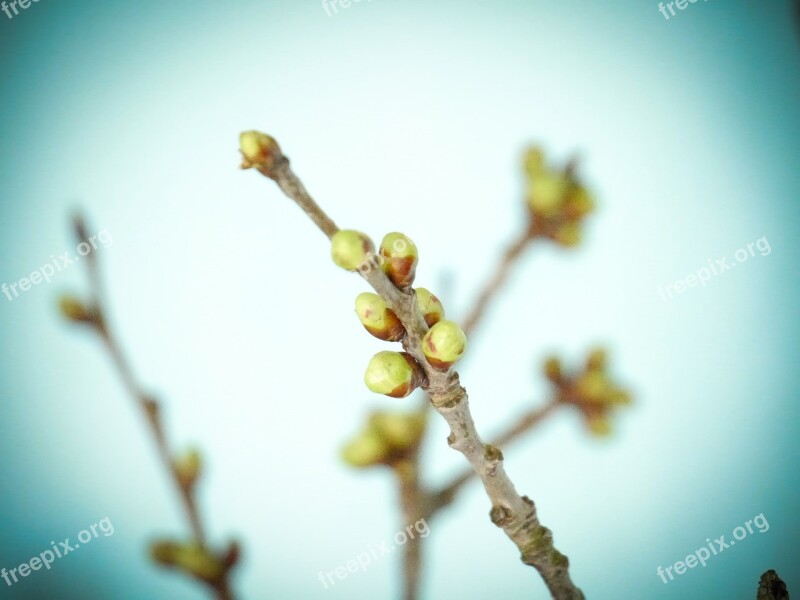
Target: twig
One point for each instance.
(515, 514)
(510, 257)
(410, 495)
(445, 496)
(150, 408)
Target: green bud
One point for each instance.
(578, 204)
(533, 161)
(444, 344)
(192, 559)
(378, 318)
(76, 311)
(597, 359)
(258, 150)
(546, 193)
(599, 425)
(400, 430)
(187, 468)
(366, 450)
(593, 387)
(400, 259)
(394, 374)
(569, 234)
(430, 306)
(350, 249)
(552, 369)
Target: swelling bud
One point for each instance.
(350, 249)
(258, 150)
(378, 318)
(444, 344)
(400, 256)
(394, 374)
(430, 306)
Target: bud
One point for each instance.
(578, 203)
(430, 306)
(444, 344)
(366, 450)
(399, 430)
(552, 369)
(394, 374)
(533, 161)
(193, 559)
(187, 468)
(599, 425)
(592, 387)
(258, 150)
(546, 193)
(569, 234)
(350, 249)
(400, 258)
(378, 318)
(76, 311)
(597, 359)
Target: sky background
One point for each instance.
(408, 116)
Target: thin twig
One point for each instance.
(409, 491)
(514, 513)
(490, 289)
(149, 407)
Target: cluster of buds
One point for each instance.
(590, 390)
(557, 201)
(388, 438)
(396, 374)
(195, 560)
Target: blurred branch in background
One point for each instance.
(194, 557)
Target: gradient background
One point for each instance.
(400, 115)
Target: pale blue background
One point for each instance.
(404, 115)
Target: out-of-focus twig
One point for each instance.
(196, 559)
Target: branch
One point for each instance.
(95, 315)
(410, 496)
(509, 259)
(515, 514)
(445, 496)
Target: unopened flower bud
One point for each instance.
(76, 311)
(596, 361)
(546, 193)
(552, 369)
(350, 249)
(258, 150)
(400, 430)
(378, 318)
(533, 161)
(444, 344)
(592, 386)
(192, 559)
(569, 234)
(430, 306)
(187, 468)
(578, 203)
(400, 259)
(394, 374)
(366, 450)
(599, 425)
